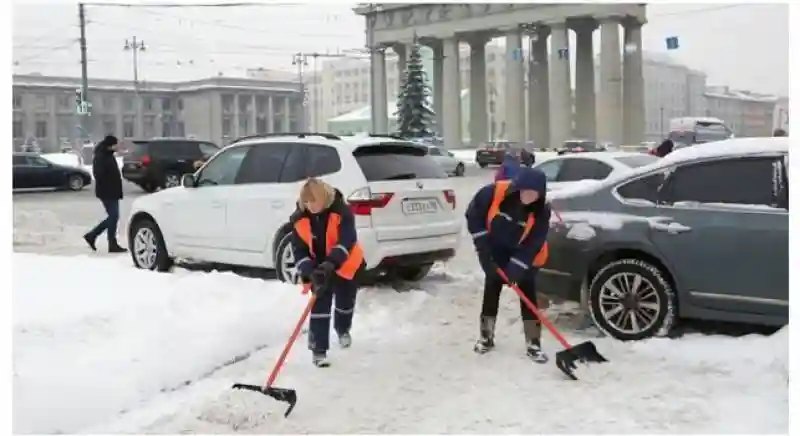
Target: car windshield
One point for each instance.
(637, 161)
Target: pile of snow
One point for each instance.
(122, 335)
(95, 337)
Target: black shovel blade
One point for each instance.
(584, 352)
(280, 394)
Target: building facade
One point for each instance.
(745, 113)
(217, 109)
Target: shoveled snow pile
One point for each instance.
(119, 336)
(94, 337)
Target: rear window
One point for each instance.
(397, 161)
(637, 161)
(134, 149)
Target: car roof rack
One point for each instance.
(386, 135)
(330, 136)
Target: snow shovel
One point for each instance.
(282, 394)
(565, 359)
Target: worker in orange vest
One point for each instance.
(509, 221)
(328, 256)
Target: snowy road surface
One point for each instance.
(114, 354)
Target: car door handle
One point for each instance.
(217, 204)
(671, 227)
(277, 204)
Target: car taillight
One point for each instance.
(363, 200)
(146, 160)
(450, 196)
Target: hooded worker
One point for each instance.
(509, 168)
(509, 221)
(328, 256)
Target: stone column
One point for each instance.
(633, 110)
(236, 132)
(287, 112)
(270, 115)
(378, 96)
(451, 95)
(253, 115)
(585, 105)
(609, 107)
(560, 89)
(478, 116)
(539, 89)
(438, 86)
(514, 87)
(402, 52)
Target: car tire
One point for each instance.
(284, 260)
(147, 247)
(614, 318)
(460, 170)
(412, 273)
(75, 182)
(172, 179)
(482, 164)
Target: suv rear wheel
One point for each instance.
(285, 263)
(413, 273)
(147, 246)
(629, 299)
(172, 179)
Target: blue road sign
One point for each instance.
(672, 43)
(516, 54)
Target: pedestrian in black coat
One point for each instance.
(665, 148)
(108, 188)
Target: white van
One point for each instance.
(697, 130)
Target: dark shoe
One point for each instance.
(533, 346)
(90, 241)
(486, 341)
(320, 360)
(345, 340)
(535, 353)
(116, 248)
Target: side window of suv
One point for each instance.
(743, 181)
(223, 169)
(645, 188)
(322, 160)
(575, 169)
(263, 163)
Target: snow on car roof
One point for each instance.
(709, 150)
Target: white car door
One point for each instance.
(199, 216)
(263, 198)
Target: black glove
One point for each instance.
(320, 277)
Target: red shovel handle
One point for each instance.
(298, 328)
(539, 314)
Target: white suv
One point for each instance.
(235, 209)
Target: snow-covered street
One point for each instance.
(101, 347)
(134, 351)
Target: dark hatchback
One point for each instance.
(32, 171)
(160, 163)
(493, 153)
(580, 146)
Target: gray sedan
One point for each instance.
(702, 233)
(446, 160)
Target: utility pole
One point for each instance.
(301, 61)
(83, 111)
(135, 47)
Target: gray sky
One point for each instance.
(745, 46)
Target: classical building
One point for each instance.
(217, 109)
(746, 113)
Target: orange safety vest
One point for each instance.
(354, 259)
(500, 189)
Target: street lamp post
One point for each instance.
(135, 47)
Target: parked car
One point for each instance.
(568, 170)
(580, 146)
(447, 160)
(701, 233)
(493, 153)
(235, 209)
(32, 171)
(160, 163)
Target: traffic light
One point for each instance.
(78, 98)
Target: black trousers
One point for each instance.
(109, 225)
(492, 286)
(343, 293)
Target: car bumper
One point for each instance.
(135, 176)
(416, 251)
(489, 159)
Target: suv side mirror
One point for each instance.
(188, 181)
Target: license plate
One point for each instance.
(416, 207)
